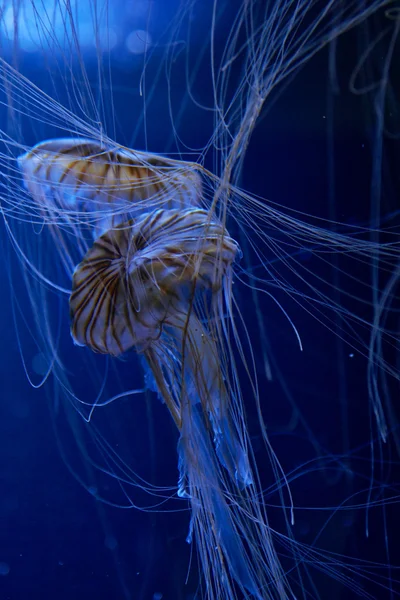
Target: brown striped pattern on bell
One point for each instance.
(139, 275)
(87, 176)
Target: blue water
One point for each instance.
(56, 539)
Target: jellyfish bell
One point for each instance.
(137, 277)
(103, 184)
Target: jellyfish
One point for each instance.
(91, 177)
(166, 270)
(139, 286)
(161, 284)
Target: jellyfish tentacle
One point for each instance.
(201, 479)
(200, 475)
(206, 382)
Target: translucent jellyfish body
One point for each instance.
(139, 277)
(103, 185)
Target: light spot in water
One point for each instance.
(157, 596)
(4, 568)
(138, 41)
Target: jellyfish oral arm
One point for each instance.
(204, 383)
